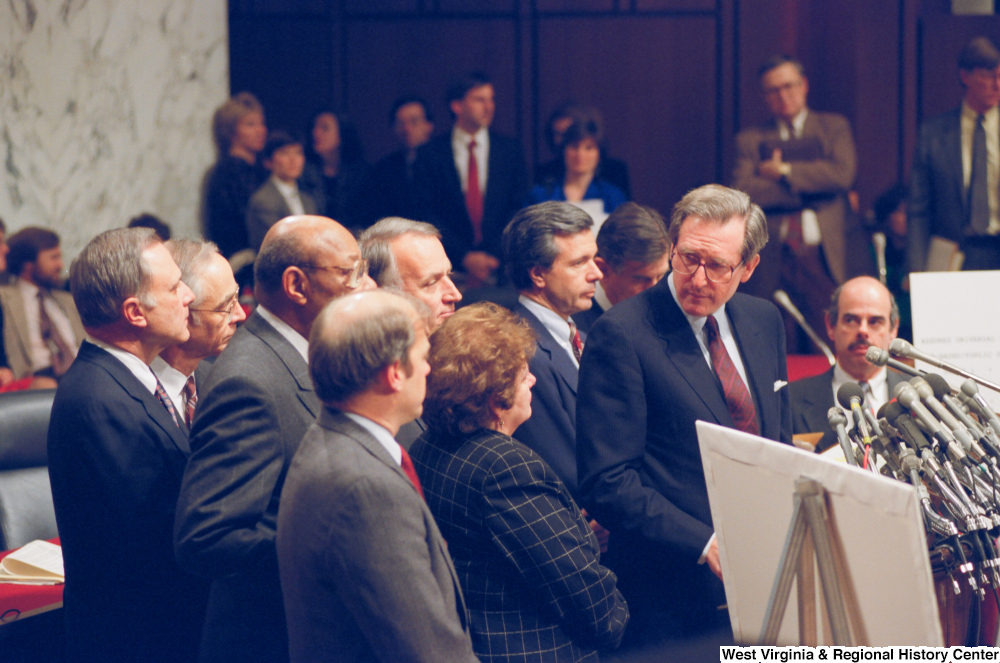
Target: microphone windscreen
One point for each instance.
(938, 384)
(880, 414)
(970, 388)
(847, 391)
(900, 348)
(876, 356)
(892, 411)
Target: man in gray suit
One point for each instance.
(279, 196)
(799, 168)
(365, 573)
(254, 408)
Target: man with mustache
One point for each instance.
(862, 313)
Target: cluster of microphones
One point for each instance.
(945, 443)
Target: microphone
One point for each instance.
(878, 239)
(850, 396)
(835, 417)
(926, 394)
(901, 348)
(975, 400)
(942, 392)
(879, 357)
(913, 436)
(781, 297)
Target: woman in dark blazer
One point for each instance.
(527, 560)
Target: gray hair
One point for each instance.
(109, 270)
(719, 204)
(193, 256)
(833, 313)
(375, 247)
(632, 233)
(529, 239)
(345, 358)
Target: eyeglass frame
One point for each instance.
(355, 273)
(702, 264)
(234, 302)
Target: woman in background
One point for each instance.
(336, 170)
(240, 133)
(526, 558)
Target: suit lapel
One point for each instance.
(822, 397)
(683, 351)
(561, 362)
(952, 144)
(155, 410)
(747, 333)
(290, 357)
(18, 316)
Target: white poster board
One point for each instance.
(751, 487)
(956, 319)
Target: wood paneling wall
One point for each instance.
(675, 79)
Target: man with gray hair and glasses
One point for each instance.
(253, 410)
(687, 349)
(212, 321)
(117, 453)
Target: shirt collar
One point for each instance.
(284, 188)
(990, 117)
(28, 289)
(298, 342)
(461, 139)
(136, 366)
(380, 433)
(173, 381)
(601, 297)
(698, 322)
(877, 382)
(552, 321)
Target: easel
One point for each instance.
(812, 536)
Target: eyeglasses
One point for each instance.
(228, 310)
(688, 264)
(353, 274)
(780, 89)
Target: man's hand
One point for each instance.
(479, 266)
(602, 534)
(712, 558)
(774, 169)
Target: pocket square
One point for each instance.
(778, 384)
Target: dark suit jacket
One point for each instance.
(365, 572)
(811, 398)
(252, 412)
(527, 560)
(391, 190)
(115, 461)
(267, 207)
(551, 429)
(585, 319)
(443, 203)
(643, 383)
(938, 202)
(820, 184)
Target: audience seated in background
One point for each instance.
(579, 179)
(212, 320)
(41, 326)
(391, 189)
(252, 412)
(365, 572)
(566, 114)
(633, 253)
(862, 314)
(799, 167)
(116, 454)
(280, 195)
(147, 220)
(336, 171)
(471, 212)
(527, 560)
(240, 134)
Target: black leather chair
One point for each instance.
(26, 511)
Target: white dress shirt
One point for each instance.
(460, 151)
(554, 323)
(41, 355)
(136, 366)
(380, 433)
(173, 382)
(290, 192)
(991, 123)
(297, 340)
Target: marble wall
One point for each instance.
(105, 111)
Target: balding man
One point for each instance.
(116, 456)
(862, 313)
(212, 321)
(254, 409)
(408, 256)
(365, 572)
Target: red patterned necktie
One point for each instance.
(411, 472)
(191, 394)
(577, 342)
(474, 197)
(735, 391)
(161, 394)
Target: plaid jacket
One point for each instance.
(526, 558)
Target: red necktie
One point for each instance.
(575, 340)
(474, 197)
(410, 471)
(161, 394)
(737, 395)
(191, 392)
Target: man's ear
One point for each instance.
(602, 264)
(748, 270)
(393, 376)
(134, 312)
(537, 276)
(295, 283)
(456, 107)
